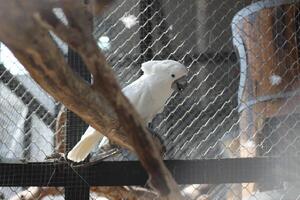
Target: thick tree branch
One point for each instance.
(46, 64)
(103, 106)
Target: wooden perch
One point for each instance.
(25, 27)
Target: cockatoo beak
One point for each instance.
(179, 84)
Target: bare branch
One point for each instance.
(47, 66)
(60, 130)
(71, 35)
(103, 106)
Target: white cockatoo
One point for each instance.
(148, 94)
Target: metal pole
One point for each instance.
(78, 188)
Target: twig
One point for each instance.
(60, 131)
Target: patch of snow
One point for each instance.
(129, 21)
(104, 43)
(275, 79)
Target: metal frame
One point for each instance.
(117, 173)
(77, 189)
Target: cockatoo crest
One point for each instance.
(164, 67)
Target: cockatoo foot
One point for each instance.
(56, 156)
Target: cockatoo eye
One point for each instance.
(173, 75)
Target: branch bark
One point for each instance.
(25, 30)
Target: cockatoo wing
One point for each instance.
(140, 96)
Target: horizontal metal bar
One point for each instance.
(214, 171)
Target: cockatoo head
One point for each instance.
(172, 71)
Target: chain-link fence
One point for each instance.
(241, 100)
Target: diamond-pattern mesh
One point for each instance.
(241, 100)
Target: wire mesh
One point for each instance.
(241, 99)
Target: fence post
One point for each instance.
(75, 128)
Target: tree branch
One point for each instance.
(60, 130)
(103, 106)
